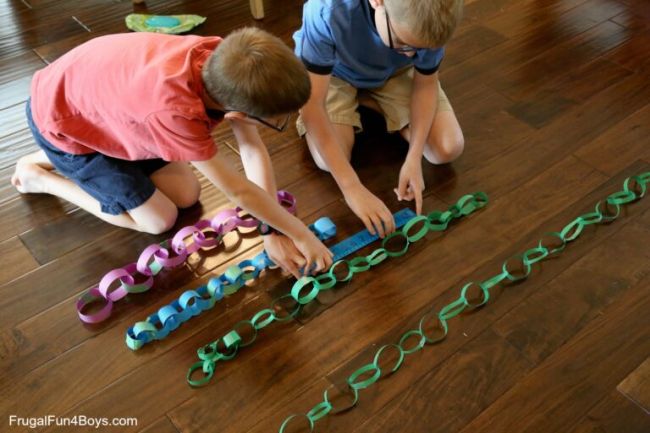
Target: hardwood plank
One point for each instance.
(542, 109)
(638, 6)
(36, 27)
(14, 7)
(488, 129)
(7, 190)
(584, 81)
(15, 92)
(27, 211)
(527, 18)
(636, 386)
(529, 33)
(556, 96)
(523, 82)
(555, 141)
(543, 322)
(18, 66)
(614, 414)
(14, 146)
(13, 120)
(543, 93)
(632, 18)
(16, 260)
(633, 54)
(163, 425)
(619, 145)
(473, 378)
(483, 10)
(568, 383)
(469, 42)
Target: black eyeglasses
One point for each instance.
(280, 127)
(402, 48)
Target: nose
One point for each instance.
(409, 53)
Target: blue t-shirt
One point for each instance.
(340, 37)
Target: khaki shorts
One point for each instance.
(394, 99)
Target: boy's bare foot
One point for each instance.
(30, 173)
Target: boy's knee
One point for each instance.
(190, 195)
(446, 149)
(320, 163)
(315, 154)
(160, 223)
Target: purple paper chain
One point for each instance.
(138, 277)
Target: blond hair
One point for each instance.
(431, 21)
(255, 72)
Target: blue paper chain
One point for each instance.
(194, 302)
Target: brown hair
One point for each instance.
(255, 72)
(431, 21)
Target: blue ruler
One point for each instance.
(364, 238)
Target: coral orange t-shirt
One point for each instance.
(131, 96)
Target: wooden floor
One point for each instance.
(554, 100)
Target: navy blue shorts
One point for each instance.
(117, 184)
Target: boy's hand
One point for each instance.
(317, 256)
(411, 182)
(372, 211)
(284, 253)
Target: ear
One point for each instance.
(235, 115)
(376, 3)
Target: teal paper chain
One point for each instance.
(415, 339)
(307, 288)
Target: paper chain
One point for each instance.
(138, 277)
(194, 302)
(226, 347)
(433, 327)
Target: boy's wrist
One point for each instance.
(348, 183)
(415, 154)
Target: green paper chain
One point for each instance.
(307, 288)
(415, 339)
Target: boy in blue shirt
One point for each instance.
(384, 54)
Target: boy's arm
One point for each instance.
(424, 104)
(372, 211)
(254, 156)
(257, 165)
(264, 207)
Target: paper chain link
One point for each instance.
(193, 302)
(138, 277)
(433, 327)
(307, 288)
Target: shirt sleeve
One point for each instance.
(427, 62)
(314, 42)
(181, 136)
